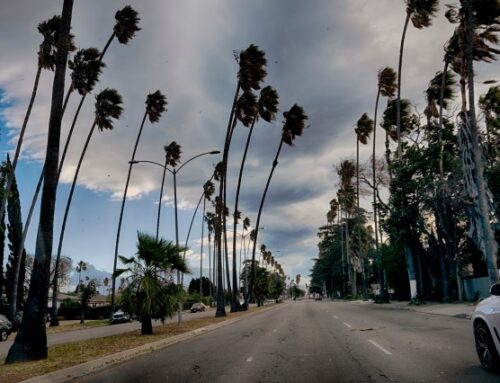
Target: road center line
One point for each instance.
(380, 347)
(250, 358)
(336, 317)
(347, 324)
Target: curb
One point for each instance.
(80, 370)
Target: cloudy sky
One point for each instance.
(323, 55)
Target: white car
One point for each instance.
(486, 323)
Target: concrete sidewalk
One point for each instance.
(456, 310)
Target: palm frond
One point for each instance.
(107, 106)
(173, 154)
(155, 106)
(86, 67)
(294, 124)
(126, 25)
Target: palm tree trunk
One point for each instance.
(221, 311)
(122, 208)
(238, 187)
(360, 249)
(257, 224)
(72, 190)
(490, 246)
(400, 67)
(10, 176)
(31, 339)
(201, 249)
(350, 266)
(146, 326)
(210, 292)
(440, 136)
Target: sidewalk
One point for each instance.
(456, 310)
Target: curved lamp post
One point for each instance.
(174, 172)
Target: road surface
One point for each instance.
(324, 341)
(101, 331)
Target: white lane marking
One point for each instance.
(347, 324)
(336, 317)
(250, 358)
(275, 330)
(380, 347)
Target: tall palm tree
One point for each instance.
(47, 51)
(252, 71)
(420, 12)
(149, 295)
(364, 128)
(31, 339)
(81, 266)
(346, 196)
(209, 220)
(155, 106)
(266, 108)
(386, 87)
(107, 107)
(245, 227)
(293, 127)
(208, 192)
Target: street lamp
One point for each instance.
(174, 172)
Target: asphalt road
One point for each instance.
(308, 341)
(101, 331)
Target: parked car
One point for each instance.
(120, 317)
(5, 328)
(486, 325)
(197, 307)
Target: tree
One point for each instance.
(386, 87)
(266, 108)
(31, 339)
(81, 266)
(107, 107)
(293, 127)
(364, 128)
(47, 53)
(155, 106)
(205, 283)
(252, 71)
(16, 266)
(148, 294)
(3, 179)
(420, 12)
(87, 291)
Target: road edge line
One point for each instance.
(87, 368)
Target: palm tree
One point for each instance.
(246, 225)
(420, 12)
(31, 339)
(107, 107)
(252, 71)
(208, 192)
(293, 127)
(50, 30)
(209, 220)
(81, 266)
(155, 106)
(267, 107)
(346, 196)
(386, 87)
(149, 295)
(363, 130)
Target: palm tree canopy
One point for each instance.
(421, 12)
(86, 67)
(263, 248)
(107, 106)
(387, 79)
(208, 190)
(155, 105)
(389, 118)
(364, 127)
(346, 171)
(434, 90)
(218, 170)
(173, 154)
(293, 125)
(127, 21)
(48, 48)
(253, 234)
(252, 68)
(246, 108)
(246, 223)
(237, 216)
(210, 219)
(268, 103)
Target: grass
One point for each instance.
(78, 326)
(71, 354)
